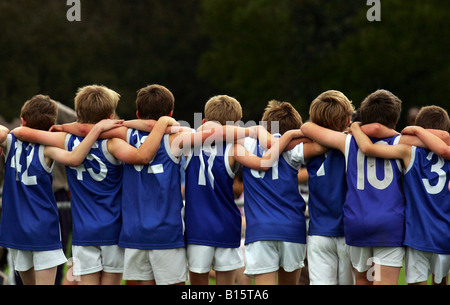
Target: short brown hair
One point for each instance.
(94, 103)
(223, 109)
(433, 117)
(331, 109)
(381, 107)
(284, 113)
(40, 112)
(154, 101)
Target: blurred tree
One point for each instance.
(124, 45)
(254, 50)
(263, 49)
(407, 53)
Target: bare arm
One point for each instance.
(47, 138)
(265, 162)
(399, 151)
(313, 149)
(3, 134)
(83, 129)
(377, 130)
(148, 125)
(432, 142)
(147, 151)
(325, 136)
(76, 157)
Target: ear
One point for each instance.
(171, 113)
(137, 114)
(23, 122)
(203, 121)
(112, 116)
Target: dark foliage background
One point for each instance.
(254, 50)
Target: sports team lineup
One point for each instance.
(341, 198)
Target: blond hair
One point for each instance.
(94, 103)
(40, 112)
(331, 109)
(283, 114)
(222, 109)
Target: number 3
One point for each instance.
(436, 168)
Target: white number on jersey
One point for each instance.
(261, 174)
(201, 171)
(152, 169)
(436, 168)
(321, 170)
(100, 176)
(372, 171)
(15, 163)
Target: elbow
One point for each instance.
(18, 133)
(143, 160)
(366, 150)
(445, 153)
(306, 128)
(74, 162)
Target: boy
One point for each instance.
(213, 221)
(152, 232)
(30, 224)
(373, 226)
(96, 187)
(275, 240)
(426, 176)
(328, 260)
(152, 226)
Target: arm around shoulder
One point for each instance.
(324, 136)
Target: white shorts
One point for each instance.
(166, 266)
(91, 259)
(269, 256)
(202, 258)
(420, 264)
(24, 260)
(363, 257)
(328, 261)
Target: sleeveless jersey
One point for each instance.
(211, 215)
(151, 200)
(427, 202)
(374, 209)
(274, 208)
(327, 190)
(95, 188)
(30, 215)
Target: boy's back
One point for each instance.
(96, 195)
(427, 209)
(29, 206)
(152, 201)
(212, 217)
(274, 208)
(375, 206)
(327, 183)
(327, 191)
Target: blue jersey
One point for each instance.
(427, 202)
(374, 210)
(151, 200)
(95, 188)
(327, 191)
(274, 208)
(30, 216)
(211, 215)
